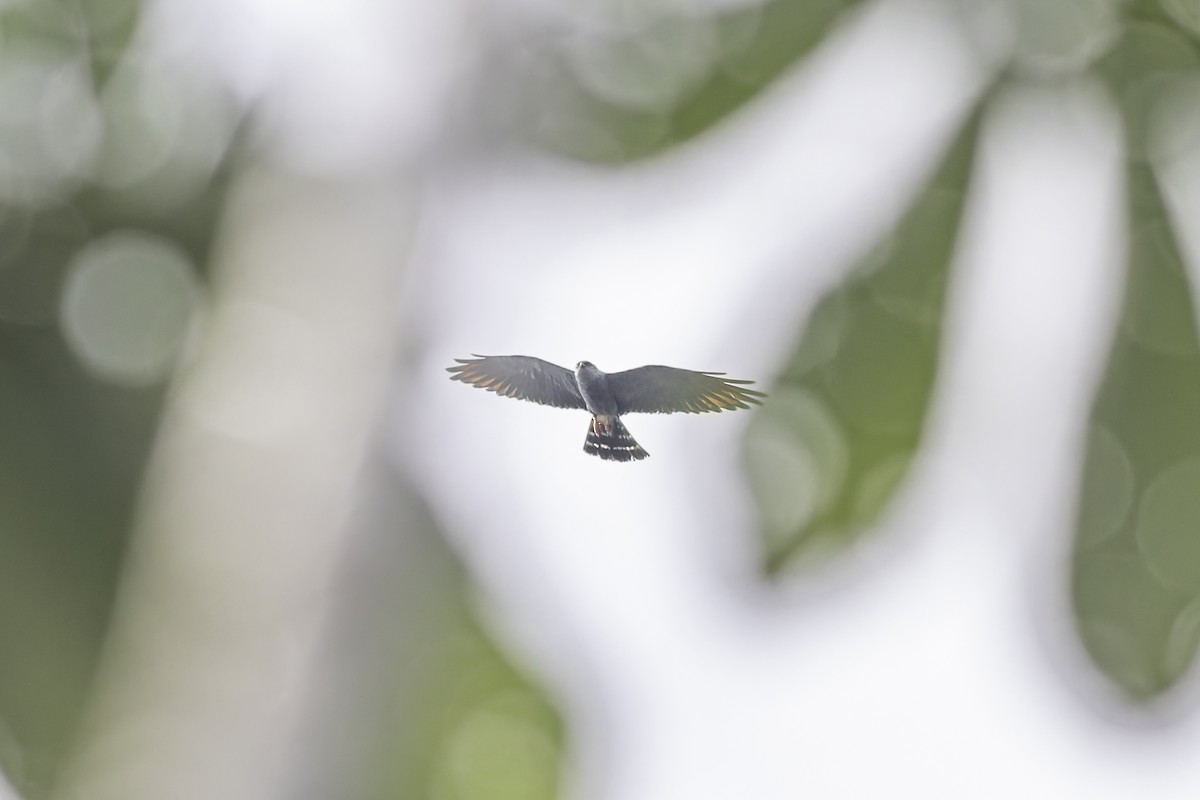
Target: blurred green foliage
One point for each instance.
(432, 707)
(1136, 564)
(96, 138)
(420, 702)
(847, 412)
(71, 447)
(829, 451)
(665, 77)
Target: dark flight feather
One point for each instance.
(667, 390)
(522, 377)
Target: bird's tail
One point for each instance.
(608, 438)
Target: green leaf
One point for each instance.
(418, 700)
(59, 549)
(72, 450)
(630, 95)
(1136, 565)
(828, 451)
(1152, 73)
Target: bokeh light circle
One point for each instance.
(127, 307)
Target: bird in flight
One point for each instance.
(607, 395)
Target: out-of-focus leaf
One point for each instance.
(1182, 13)
(57, 565)
(71, 455)
(1136, 565)
(72, 448)
(1154, 76)
(826, 453)
(1136, 561)
(101, 29)
(627, 95)
(1061, 36)
(416, 700)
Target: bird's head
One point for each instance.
(584, 365)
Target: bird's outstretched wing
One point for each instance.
(666, 390)
(523, 377)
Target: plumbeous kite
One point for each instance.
(608, 396)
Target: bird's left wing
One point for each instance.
(665, 390)
(523, 377)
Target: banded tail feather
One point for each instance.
(608, 438)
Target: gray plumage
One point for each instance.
(608, 396)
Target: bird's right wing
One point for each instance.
(523, 377)
(666, 390)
